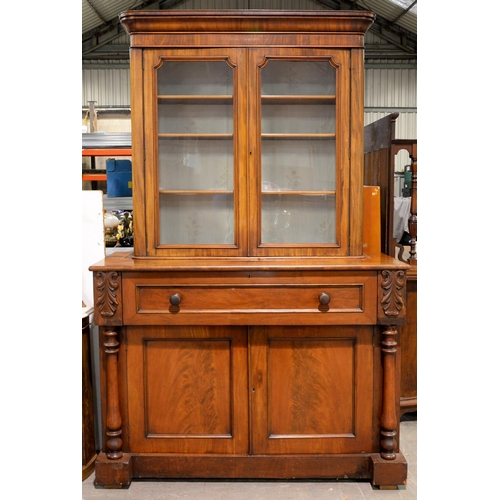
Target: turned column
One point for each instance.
(392, 311)
(113, 415)
(108, 314)
(389, 422)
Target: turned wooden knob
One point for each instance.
(175, 299)
(324, 298)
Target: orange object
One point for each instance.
(93, 177)
(107, 152)
(372, 239)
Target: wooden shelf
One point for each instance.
(195, 191)
(299, 136)
(298, 99)
(302, 193)
(195, 99)
(195, 136)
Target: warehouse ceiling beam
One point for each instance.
(97, 43)
(404, 12)
(386, 29)
(89, 3)
(108, 31)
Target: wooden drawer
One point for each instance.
(249, 299)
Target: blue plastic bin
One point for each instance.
(119, 177)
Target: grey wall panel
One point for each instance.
(385, 88)
(108, 87)
(391, 88)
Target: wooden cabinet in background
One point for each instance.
(248, 335)
(381, 149)
(89, 449)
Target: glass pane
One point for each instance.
(300, 162)
(298, 119)
(200, 219)
(298, 219)
(195, 164)
(298, 78)
(195, 118)
(195, 78)
(195, 98)
(298, 165)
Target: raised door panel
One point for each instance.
(311, 389)
(195, 142)
(187, 389)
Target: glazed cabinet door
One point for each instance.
(299, 143)
(247, 152)
(187, 389)
(311, 389)
(195, 139)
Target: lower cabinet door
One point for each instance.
(311, 389)
(187, 389)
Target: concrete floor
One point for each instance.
(275, 490)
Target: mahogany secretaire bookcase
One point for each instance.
(247, 335)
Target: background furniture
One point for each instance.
(92, 249)
(381, 148)
(89, 451)
(249, 335)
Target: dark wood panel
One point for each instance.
(89, 451)
(187, 385)
(312, 389)
(409, 350)
(379, 173)
(270, 467)
(187, 389)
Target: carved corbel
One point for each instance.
(392, 287)
(107, 304)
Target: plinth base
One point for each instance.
(119, 473)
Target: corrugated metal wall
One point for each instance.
(389, 90)
(386, 91)
(108, 87)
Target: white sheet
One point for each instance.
(401, 216)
